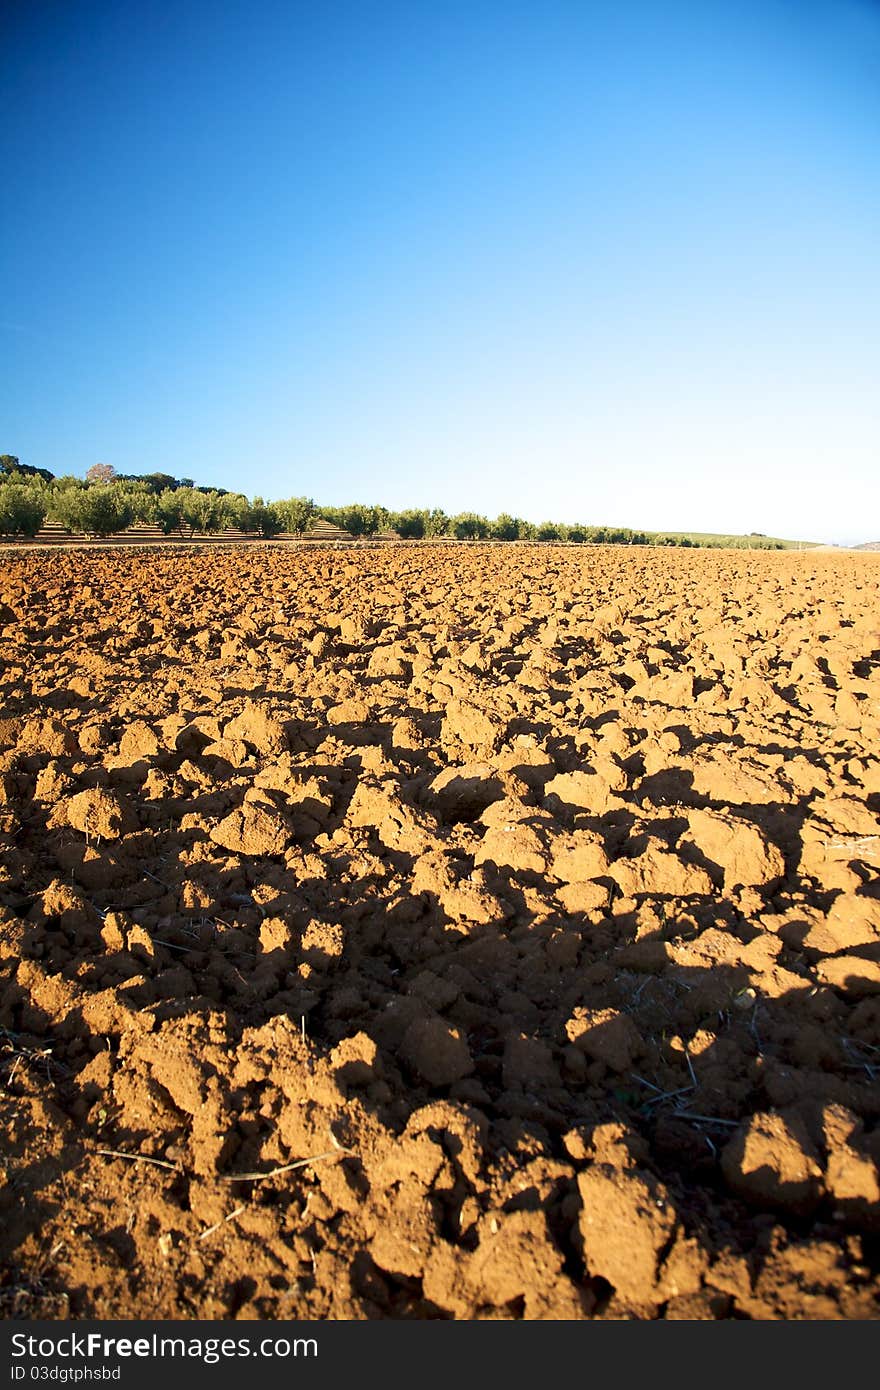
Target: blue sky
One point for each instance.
(600, 261)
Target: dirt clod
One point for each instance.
(509, 915)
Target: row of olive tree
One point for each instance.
(104, 503)
(413, 524)
(104, 508)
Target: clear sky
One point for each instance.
(573, 259)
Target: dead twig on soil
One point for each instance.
(139, 1158)
(217, 1224)
(860, 1063)
(660, 1095)
(147, 874)
(23, 1056)
(285, 1167)
(705, 1119)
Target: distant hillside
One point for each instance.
(754, 541)
(869, 545)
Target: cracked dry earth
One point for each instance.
(522, 904)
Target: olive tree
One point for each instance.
(100, 510)
(261, 516)
(504, 528)
(295, 513)
(468, 526)
(22, 509)
(409, 525)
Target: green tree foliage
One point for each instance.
(469, 526)
(169, 511)
(378, 519)
(261, 517)
(436, 522)
(409, 525)
(160, 482)
(332, 514)
(207, 512)
(141, 498)
(356, 519)
(336, 516)
(23, 508)
(105, 502)
(363, 520)
(188, 510)
(296, 514)
(166, 482)
(505, 528)
(11, 467)
(99, 510)
(65, 506)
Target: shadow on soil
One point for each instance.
(678, 1055)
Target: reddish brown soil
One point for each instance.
(522, 903)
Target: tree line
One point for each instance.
(106, 502)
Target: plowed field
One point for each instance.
(440, 932)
